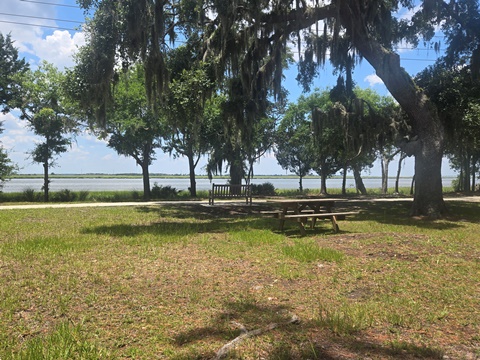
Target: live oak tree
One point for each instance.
(122, 33)
(228, 150)
(132, 127)
(48, 124)
(233, 145)
(324, 134)
(294, 145)
(383, 131)
(185, 108)
(45, 107)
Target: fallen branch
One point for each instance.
(247, 334)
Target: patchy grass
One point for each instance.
(180, 281)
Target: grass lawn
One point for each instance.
(181, 281)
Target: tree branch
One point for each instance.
(225, 349)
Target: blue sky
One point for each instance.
(40, 33)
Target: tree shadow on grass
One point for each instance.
(291, 340)
(173, 219)
(398, 213)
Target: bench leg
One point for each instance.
(335, 224)
(301, 223)
(302, 227)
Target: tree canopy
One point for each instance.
(11, 69)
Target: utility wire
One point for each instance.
(49, 3)
(42, 18)
(407, 59)
(46, 26)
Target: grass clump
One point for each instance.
(346, 319)
(65, 342)
(309, 251)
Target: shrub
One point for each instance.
(30, 195)
(64, 195)
(456, 184)
(82, 195)
(136, 195)
(265, 189)
(163, 192)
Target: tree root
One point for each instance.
(247, 334)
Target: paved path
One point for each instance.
(96, 204)
(203, 202)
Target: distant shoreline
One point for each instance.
(185, 176)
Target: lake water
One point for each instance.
(121, 184)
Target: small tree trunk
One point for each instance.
(300, 183)
(344, 180)
(323, 181)
(399, 170)
(474, 173)
(45, 181)
(193, 182)
(385, 163)
(466, 177)
(146, 181)
(359, 181)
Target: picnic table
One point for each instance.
(301, 210)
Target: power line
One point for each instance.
(49, 3)
(407, 59)
(37, 25)
(42, 18)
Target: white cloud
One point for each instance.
(32, 30)
(59, 48)
(373, 80)
(108, 157)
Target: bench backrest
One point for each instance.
(231, 190)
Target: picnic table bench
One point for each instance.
(301, 210)
(227, 191)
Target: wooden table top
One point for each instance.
(302, 201)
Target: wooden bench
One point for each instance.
(302, 218)
(230, 192)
